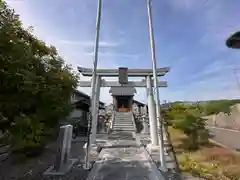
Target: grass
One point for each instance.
(211, 161)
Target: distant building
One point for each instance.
(80, 113)
(82, 103)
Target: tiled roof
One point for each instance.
(121, 91)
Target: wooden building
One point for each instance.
(123, 99)
(80, 114)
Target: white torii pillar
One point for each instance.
(152, 113)
(96, 108)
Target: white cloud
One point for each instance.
(90, 43)
(215, 81)
(216, 20)
(73, 51)
(187, 4)
(112, 55)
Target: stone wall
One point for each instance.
(223, 120)
(109, 109)
(135, 108)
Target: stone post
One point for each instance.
(62, 163)
(145, 111)
(152, 113)
(69, 140)
(141, 110)
(145, 122)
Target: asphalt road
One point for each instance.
(229, 138)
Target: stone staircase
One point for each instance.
(123, 122)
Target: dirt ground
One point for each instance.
(212, 162)
(22, 168)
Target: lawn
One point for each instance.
(211, 161)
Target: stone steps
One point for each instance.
(123, 122)
(127, 127)
(124, 125)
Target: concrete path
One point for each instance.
(124, 164)
(116, 139)
(123, 159)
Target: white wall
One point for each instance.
(76, 113)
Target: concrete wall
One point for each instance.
(76, 113)
(231, 121)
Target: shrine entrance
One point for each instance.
(123, 103)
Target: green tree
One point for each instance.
(194, 128)
(36, 83)
(217, 106)
(189, 122)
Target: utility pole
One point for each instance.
(155, 79)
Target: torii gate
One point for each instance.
(147, 82)
(147, 73)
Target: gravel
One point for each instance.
(19, 168)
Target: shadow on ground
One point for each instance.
(119, 170)
(33, 168)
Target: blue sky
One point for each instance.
(190, 38)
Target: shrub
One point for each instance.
(28, 135)
(36, 84)
(199, 170)
(194, 128)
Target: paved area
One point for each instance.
(122, 158)
(154, 154)
(123, 164)
(226, 137)
(116, 139)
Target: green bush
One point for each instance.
(27, 135)
(36, 84)
(190, 123)
(199, 170)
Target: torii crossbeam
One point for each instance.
(117, 84)
(131, 72)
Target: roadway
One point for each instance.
(227, 137)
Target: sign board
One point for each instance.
(123, 75)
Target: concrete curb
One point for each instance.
(158, 173)
(224, 146)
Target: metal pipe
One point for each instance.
(154, 66)
(93, 95)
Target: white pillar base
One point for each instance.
(87, 166)
(152, 113)
(156, 149)
(152, 148)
